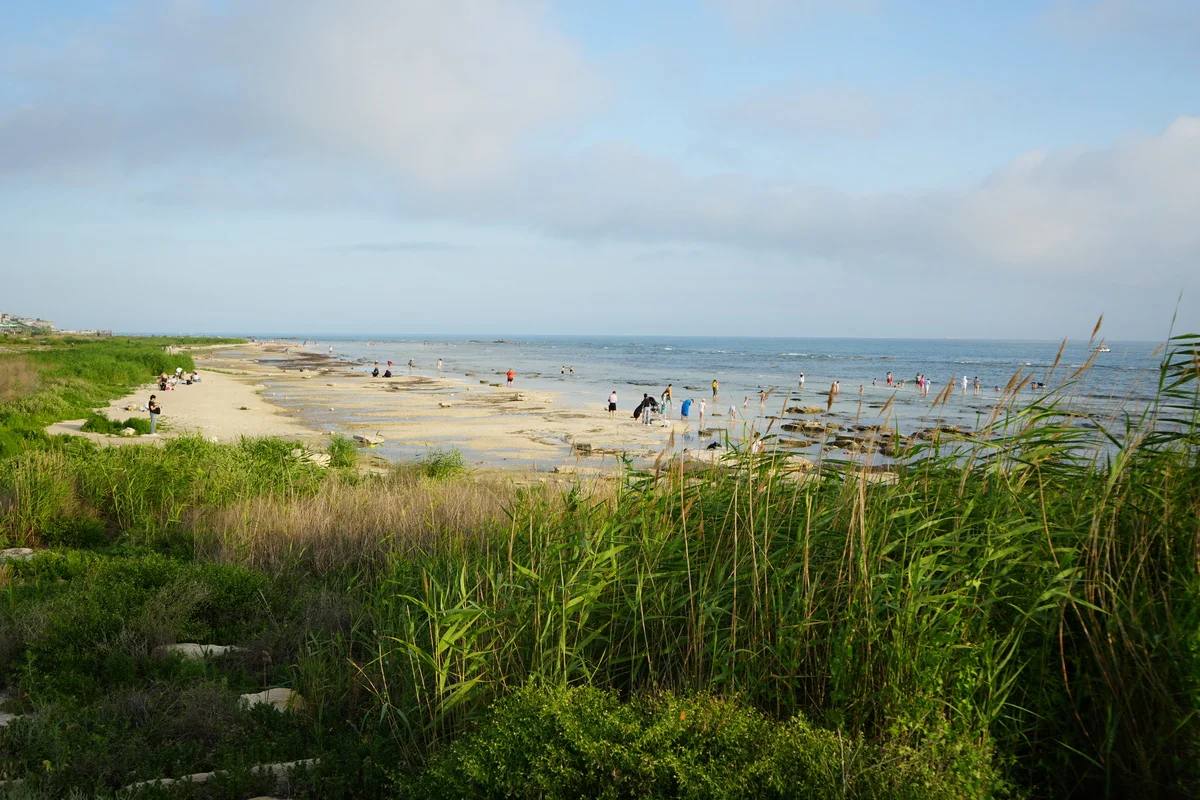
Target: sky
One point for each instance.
(875, 168)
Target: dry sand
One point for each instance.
(263, 390)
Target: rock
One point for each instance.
(484, 381)
(443, 405)
(582, 447)
(191, 651)
(16, 554)
(692, 388)
(368, 438)
(564, 470)
(281, 699)
(320, 459)
(5, 717)
(128, 432)
(521, 396)
(805, 410)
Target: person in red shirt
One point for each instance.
(510, 375)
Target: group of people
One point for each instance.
(165, 384)
(662, 405)
(168, 382)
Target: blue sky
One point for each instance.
(719, 167)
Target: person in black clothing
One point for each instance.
(155, 409)
(375, 372)
(387, 373)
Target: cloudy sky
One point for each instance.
(899, 168)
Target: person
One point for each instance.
(837, 387)
(860, 390)
(685, 408)
(702, 408)
(375, 372)
(666, 398)
(762, 397)
(977, 385)
(510, 375)
(572, 369)
(889, 379)
(439, 365)
(389, 363)
(757, 445)
(562, 370)
(732, 412)
(800, 380)
(410, 365)
(746, 402)
(155, 409)
(330, 349)
(195, 376)
(387, 373)
(612, 404)
(964, 384)
(874, 382)
(715, 385)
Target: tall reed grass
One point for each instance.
(1022, 590)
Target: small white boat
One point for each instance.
(1103, 349)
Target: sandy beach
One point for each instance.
(269, 389)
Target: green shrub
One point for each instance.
(342, 452)
(98, 423)
(443, 464)
(567, 743)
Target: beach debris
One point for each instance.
(128, 432)
(16, 554)
(370, 439)
(485, 381)
(191, 651)
(583, 447)
(443, 405)
(281, 699)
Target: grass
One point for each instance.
(59, 378)
(1015, 612)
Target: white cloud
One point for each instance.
(797, 111)
(439, 91)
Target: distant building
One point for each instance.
(11, 323)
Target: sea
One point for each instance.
(583, 370)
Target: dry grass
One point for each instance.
(355, 525)
(18, 378)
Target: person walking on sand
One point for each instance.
(155, 409)
(612, 405)
(510, 375)
(666, 400)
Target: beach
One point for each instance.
(280, 389)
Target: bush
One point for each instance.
(582, 742)
(342, 452)
(98, 423)
(443, 464)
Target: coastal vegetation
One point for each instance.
(1009, 613)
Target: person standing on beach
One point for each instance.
(572, 368)
(510, 375)
(702, 408)
(612, 404)
(562, 370)
(439, 365)
(889, 379)
(666, 400)
(155, 409)
(714, 385)
(800, 380)
(964, 384)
